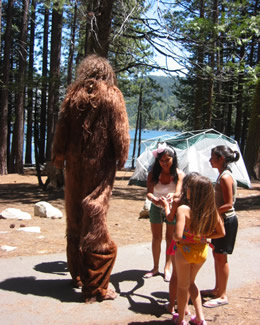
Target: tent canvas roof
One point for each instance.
(193, 152)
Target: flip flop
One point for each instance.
(215, 303)
(149, 275)
(175, 317)
(194, 321)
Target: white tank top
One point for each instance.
(163, 189)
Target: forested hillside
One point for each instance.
(160, 114)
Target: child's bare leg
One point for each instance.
(222, 274)
(183, 269)
(213, 292)
(156, 245)
(167, 267)
(172, 288)
(195, 293)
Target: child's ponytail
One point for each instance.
(228, 154)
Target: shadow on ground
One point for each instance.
(58, 289)
(152, 304)
(249, 201)
(57, 267)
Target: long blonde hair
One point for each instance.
(204, 214)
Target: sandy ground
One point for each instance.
(125, 225)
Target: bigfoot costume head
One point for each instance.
(96, 67)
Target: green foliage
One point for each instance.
(158, 102)
(129, 51)
(222, 48)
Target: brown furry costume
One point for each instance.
(92, 136)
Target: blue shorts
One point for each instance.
(225, 245)
(157, 215)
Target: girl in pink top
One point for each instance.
(197, 216)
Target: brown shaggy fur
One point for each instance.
(92, 136)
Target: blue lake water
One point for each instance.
(146, 134)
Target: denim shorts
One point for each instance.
(157, 215)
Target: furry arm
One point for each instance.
(119, 126)
(60, 139)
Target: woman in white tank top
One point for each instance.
(164, 180)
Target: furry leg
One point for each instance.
(95, 273)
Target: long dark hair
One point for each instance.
(156, 170)
(228, 154)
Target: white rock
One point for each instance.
(12, 213)
(30, 229)
(46, 210)
(8, 248)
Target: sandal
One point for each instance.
(194, 321)
(215, 303)
(175, 317)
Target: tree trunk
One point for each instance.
(28, 153)
(210, 93)
(4, 92)
(239, 100)
(0, 27)
(212, 65)
(253, 139)
(135, 138)
(18, 136)
(199, 81)
(72, 45)
(137, 127)
(44, 85)
(140, 109)
(230, 109)
(99, 17)
(53, 102)
(36, 142)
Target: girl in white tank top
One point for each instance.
(164, 180)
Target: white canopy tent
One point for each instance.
(193, 152)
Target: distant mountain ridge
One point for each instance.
(161, 111)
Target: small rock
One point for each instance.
(30, 229)
(46, 210)
(8, 248)
(12, 213)
(12, 225)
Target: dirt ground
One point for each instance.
(125, 226)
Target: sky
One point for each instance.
(159, 58)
